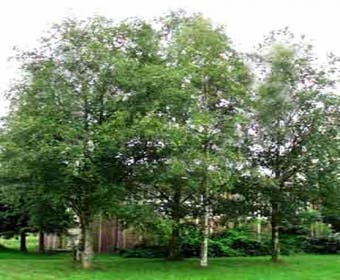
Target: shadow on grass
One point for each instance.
(10, 253)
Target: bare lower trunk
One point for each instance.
(275, 241)
(175, 250)
(116, 234)
(79, 246)
(174, 245)
(99, 235)
(204, 223)
(259, 231)
(61, 241)
(41, 242)
(205, 237)
(88, 252)
(204, 186)
(23, 246)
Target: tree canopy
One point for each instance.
(168, 118)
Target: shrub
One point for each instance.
(190, 236)
(292, 244)
(145, 252)
(231, 243)
(249, 247)
(239, 242)
(324, 245)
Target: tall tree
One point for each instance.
(216, 79)
(182, 143)
(293, 104)
(70, 112)
(14, 217)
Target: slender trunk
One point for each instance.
(204, 224)
(175, 252)
(259, 229)
(117, 244)
(100, 235)
(205, 237)
(61, 241)
(204, 186)
(275, 242)
(41, 242)
(174, 245)
(88, 252)
(205, 214)
(23, 246)
(275, 215)
(81, 242)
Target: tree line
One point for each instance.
(164, 120)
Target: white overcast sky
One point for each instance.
(23, 21)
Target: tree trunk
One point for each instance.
(41, 242)
(204, 186)
(275, 241)
(88, 252)
(99, 234)
(205, 237)
(117, 243)
(259, 229)
(204, 220)
(174, 245)
(85, 250)
(60, 241)
(23, 246)
(175, 252)
(79, 246)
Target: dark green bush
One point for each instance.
(239, 242)
(324, 245)
(292, 244)
(191, 250)
(249, 247)
(144, 252)
(190, 236)
(231, 243)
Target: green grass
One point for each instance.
(18, 266)
(13, 243)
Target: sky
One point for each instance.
(22, 22)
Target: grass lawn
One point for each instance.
(14, 243)
(18, 266)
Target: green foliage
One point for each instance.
(239, 242)
(13, 243)
(294, 116)
(148, 252)
(292, 244)
(13, 220)
(231, 243)
(158, 122)
(324, 245)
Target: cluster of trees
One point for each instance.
(166, 120)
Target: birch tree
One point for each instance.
(293, 118)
